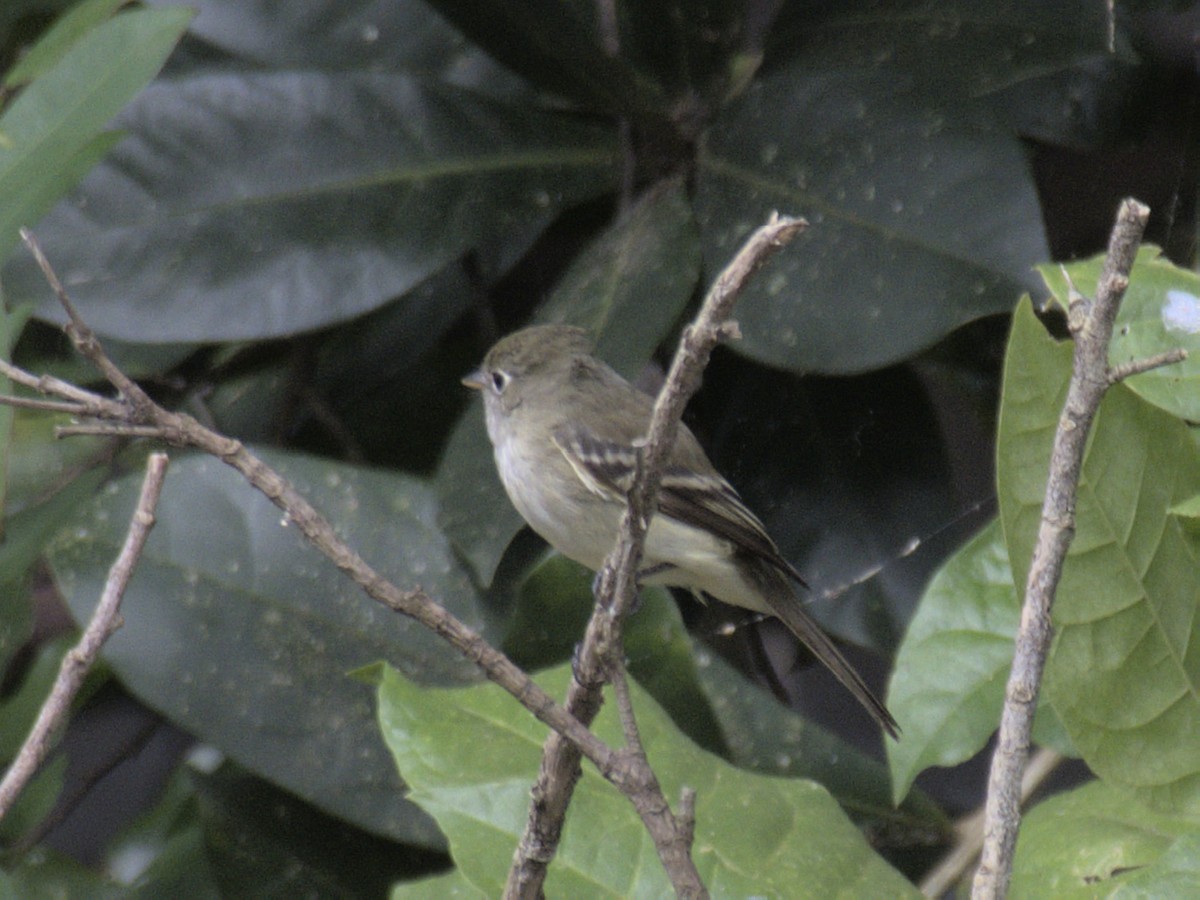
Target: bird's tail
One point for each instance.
(785, 605)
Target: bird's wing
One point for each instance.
(702, 500)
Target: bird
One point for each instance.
(565, 429)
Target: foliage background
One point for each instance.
(317, 216)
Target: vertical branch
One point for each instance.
(1091, 325)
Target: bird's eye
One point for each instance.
(499, 381)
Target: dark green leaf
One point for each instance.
(242, 634)
(1035, 68)
(555, 45)
(754, 834)
(163, 853)
(262, 842)
(919, 222)
(249, 204)
(46, 874)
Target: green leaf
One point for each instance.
(948, 685)
(555, 45)
(629, 288)
(1124, 675)
(38, 464)
(11, 324)
(319, 195)
(766, 737)
(51, 134)
(36, 801)
(441, 887)
(920, 222)
(242, 634)
(1160, 312)
(754, 834)
(70, 28)
(264, 842)
(163, 853)
(47, 874)
(1094, 842)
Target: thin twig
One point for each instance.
(617, 582)
(1091, 324)
(1138, 366)
(79, 659)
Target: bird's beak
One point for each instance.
(474, 380)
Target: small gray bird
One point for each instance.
(564, 427)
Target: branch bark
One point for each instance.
(79, 659)
(1091, 325)
(617, 581)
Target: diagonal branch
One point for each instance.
(79, 659)
(617, 586)
(134, 413)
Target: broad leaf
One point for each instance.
(1094, 842)
(249, 204)
(754, 834)
(948, 686)
(1124, 675)
(919, 221)
(241, 633)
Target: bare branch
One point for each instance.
(135, 413)
(1091, 323)
(79, 659)
(617, 582)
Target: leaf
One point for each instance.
(440, 887)
(164, 852)
(52, 131)
(53, 45)
(555, 46)
(1124, 675)
(1160, 312)
(1093, 842)
(948, 685)
(754, 835)
(309, 192)
(11, 324)
(629, 288)
(242, 634)
(49, 874)
(766, 737)
(266, 843)
(920, 221)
